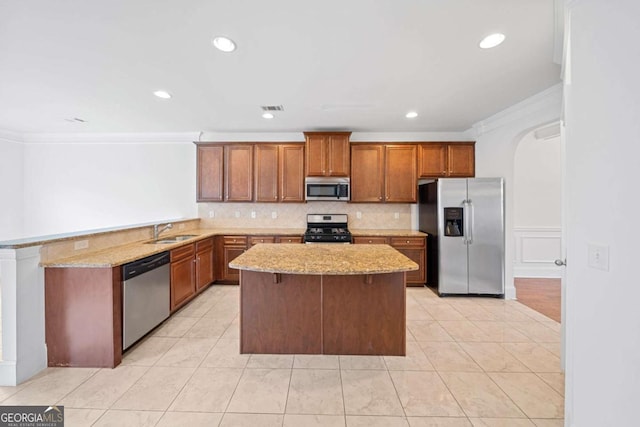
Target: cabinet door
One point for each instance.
(292, 173)
(204, 264)
(417, 255)
(367, 173)
(316, 155)
(210, 173)
(238, 167)
(229, 254)
(432, 160)
(182, 281)
(266, 172)
(461, 160)
(338, 155)
(401, 181)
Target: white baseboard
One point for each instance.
(538, 271)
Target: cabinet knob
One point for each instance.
(369, 241)
(407, 241)
(380, 198)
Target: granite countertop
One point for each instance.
(118, 255)
(327, 258)
(387, 232)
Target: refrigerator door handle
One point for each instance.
(465, 221)
(470, 221)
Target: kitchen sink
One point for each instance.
(172, 239)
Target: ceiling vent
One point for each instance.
(272, 108)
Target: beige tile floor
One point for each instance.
(470, 362)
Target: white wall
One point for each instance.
(537, 207)
(11, 186)
(538, 181)
(85, 185)
(603, 152)
(496, 143)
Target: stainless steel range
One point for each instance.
(327, 228)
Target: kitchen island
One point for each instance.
(323, 299)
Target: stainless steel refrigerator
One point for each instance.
(464, 219)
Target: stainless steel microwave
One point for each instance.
(328, 189)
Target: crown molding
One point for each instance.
(543, 101)
(112, 138)
(11, 136)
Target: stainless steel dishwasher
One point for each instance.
(146, 296)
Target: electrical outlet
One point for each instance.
(81, 244)
(359, 215)
(253, 214)
(274, 215)
(598, 257)
(237, 214)
(396, 215)
(211, 214)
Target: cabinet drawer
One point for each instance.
(290, 239)
(182, 252)
(204, 244)
(371, 240)
(262, 239)
(235, 240)
(408, 241)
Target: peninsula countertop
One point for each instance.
(323, 258)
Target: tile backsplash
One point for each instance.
(294, 215)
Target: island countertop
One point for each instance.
(323, 258)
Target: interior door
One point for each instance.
(453, 273)
(485, 207)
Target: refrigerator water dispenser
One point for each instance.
(453, 222)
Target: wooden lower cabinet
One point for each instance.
(205, 273)
(229, 247)
(192, 270)
(289, 239)
(413, 248)
(183, 285)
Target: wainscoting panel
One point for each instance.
(536, 251)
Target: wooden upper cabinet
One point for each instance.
(367, 173)
(446, 159)
(266, 172)
(383, 173)
(238, 171)
(279, 172)
(401, 180)
(327, 153)
(210, 173)
(461, 160)
(432, 160)
(291, 176)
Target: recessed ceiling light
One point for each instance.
(162, 94)
(492, 40)
(411, 115)
(267, 116)
(224, 44)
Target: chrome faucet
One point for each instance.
(157, 229)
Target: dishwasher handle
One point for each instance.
(141, 266)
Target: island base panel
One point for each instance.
(364, 314)
(313, 314)
(280, 313)
(83, 317)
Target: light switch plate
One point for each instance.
(274, 214)
(598, 257)
(396, 215)
(253, 214)
(237, 214)
(359, 215)
(211, 214)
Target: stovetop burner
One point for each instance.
(327, 228)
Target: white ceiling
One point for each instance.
(355, 65)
